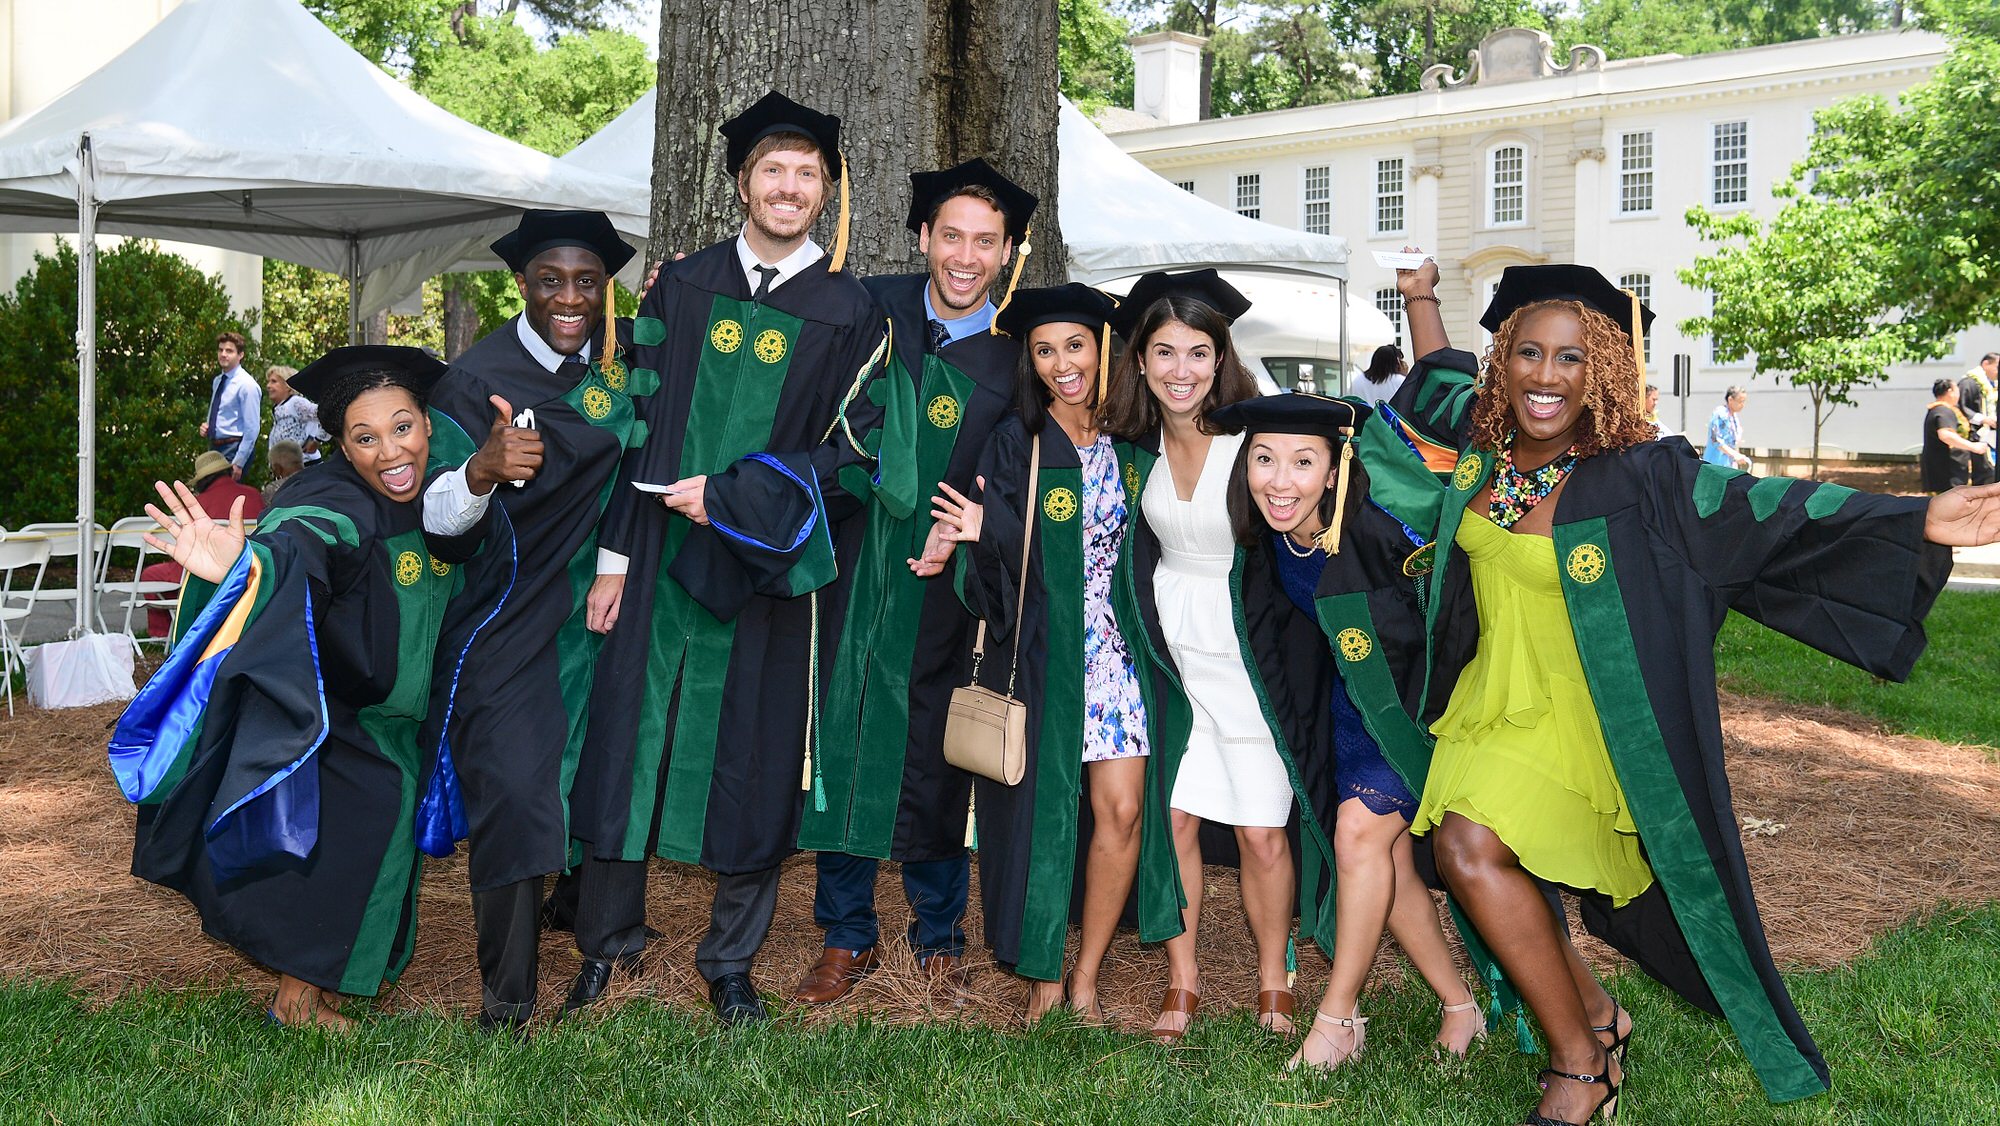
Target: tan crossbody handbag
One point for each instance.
(985, 732)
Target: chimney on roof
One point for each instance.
(1166, 75)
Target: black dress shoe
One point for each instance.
(514, 1028)
(736, 1000)
(593, 979)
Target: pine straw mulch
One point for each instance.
(1877, 829)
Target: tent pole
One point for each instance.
(86, 383)
(353, 289)
(1346, 361)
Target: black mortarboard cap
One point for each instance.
(775, 113)
(929, 190)
(1075, 303)
(1525, 285)
(1205, 286)
(540, 231)
(419, 368)
(1292, 412)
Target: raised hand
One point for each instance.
(1967, 516)
(1422, 280)
(937, 552)
(509, 453)
(958, 516)
(203, 546)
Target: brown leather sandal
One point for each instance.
(1274, 1002)
(1176, 1001)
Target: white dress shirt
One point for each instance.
(807, 253)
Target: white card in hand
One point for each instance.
(524, 421)
(646, 487)
(1396, 260)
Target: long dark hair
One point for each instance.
(1387, 361)
(1131, 412)
(1246, 520)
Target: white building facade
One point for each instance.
(1523, 157)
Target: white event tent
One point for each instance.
(248, 125)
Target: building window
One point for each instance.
(1185, 185)
(1635, 173)
(1641, 286)
(1250, 196)
(1508, 174)
(1730, 177)
(1389, 196)
(1390, 303)
(1319, 200)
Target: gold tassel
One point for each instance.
(1638, 343)
(1020, 260)
(608, 364)
(1329, 536)
(840, 233)
(1103, 365)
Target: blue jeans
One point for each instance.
(844, 902)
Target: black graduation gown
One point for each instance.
(513, 672)
(275, 755)
(1032, 837)
(705, 688)
(884, 789)
(1656, 547)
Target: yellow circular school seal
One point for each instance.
(1355, 644)
(614, 375)
(439, 567)
(596, 402)
(1586, 563)
(1059, 504)
(943, 412)
(726, 336)
(1131, 481)
(409, 568)
(770, 346)
(1467, 473)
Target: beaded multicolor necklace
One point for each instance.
(1515, 492)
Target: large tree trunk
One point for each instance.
(918, 85)
(461, 316)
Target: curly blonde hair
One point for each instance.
(1614, 410)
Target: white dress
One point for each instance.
(1231, 773)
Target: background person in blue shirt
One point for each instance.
(235, 407)
(1725, 432)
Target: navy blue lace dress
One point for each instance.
(1359, 770)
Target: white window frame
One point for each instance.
(1401, 195)
(1493, 184)
(1389, 302)
(1716, 164)
(1630, 174)
(1254, 182)
(1185, 185)
(1640, 282)
(1308, 200)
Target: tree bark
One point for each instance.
(918, 85)
(461, 317)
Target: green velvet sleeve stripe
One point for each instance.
(648, 331)
(1827, 500)
(1660, 808)
(339, 528)
(641, 381)
(1711, 484)
(1766, 493)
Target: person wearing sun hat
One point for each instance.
(551, 391)
(721, 633)
(1581, 572)
(882, 787)
(275, 756)
(1089, 726)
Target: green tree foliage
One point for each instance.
(1803, 296)
(1095, 67)
(1405, 36)
(304, 315)
(1633, 28)
(1286, 58)
(550, 99)
(157, 319)
(1933, 167)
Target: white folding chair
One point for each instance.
(63, 544)
(129, 534)
(17, 553)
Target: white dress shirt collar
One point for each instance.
(538, 348)
(807, 253)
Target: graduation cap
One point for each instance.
(1075, 303)
(540, 231)
(1524, 285)
(1205, 286)
(414, 368)
(930, 190)
(1297, 412)
(773, 114)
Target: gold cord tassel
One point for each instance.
(1014, 279)
(1329, 536)
(1103, 366)
(840, 233)
(1638, 343)
(609, 363)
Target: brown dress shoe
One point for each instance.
(834, 975)
(943, 970)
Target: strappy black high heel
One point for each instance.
(1618, 1042)
(1606, 1107)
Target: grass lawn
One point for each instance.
(1953, 695)
(1909, 1030)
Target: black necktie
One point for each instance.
(573, 363)
(764, 276)
(940, 335)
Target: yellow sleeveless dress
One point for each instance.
(1519, 749)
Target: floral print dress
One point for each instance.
(1114, 718)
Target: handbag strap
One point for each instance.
(1021, 594)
